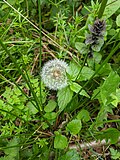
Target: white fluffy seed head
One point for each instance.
(54, 74)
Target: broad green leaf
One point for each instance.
(73, 70)
(50, 106)
(94, 60)
(118, 20)
(72, 154)
(98, 46)
(85, 74)
(74, 126)
(105, 70)
(64, 97)
(73, 105)
(112, 32)
(111, 8)
(75, 87)
(60, 142)
(109, 86)
(32, 108)
(83, 115)
(50, 115)
(81, 47)
(110, 134)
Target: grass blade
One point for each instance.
(102, 8)
(40, 55)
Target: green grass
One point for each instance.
(39, 123)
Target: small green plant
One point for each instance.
(114, 153)
(59, 82)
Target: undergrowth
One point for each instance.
(59, 79)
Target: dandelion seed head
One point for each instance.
(54, 74)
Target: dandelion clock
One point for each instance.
(54, 74)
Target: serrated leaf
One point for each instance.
(76, 88)
(73, 70)
(60, 142)
(81, 47)
(50, 106)
(110, 134)
(105, 70)
(64, 97)
(85, 74)
(83, 115)
(109, 86)
(111, 8)
(74, 126)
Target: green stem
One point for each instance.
(40, 56)
(102, 8)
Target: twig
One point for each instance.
(49, 51)
(36, 58)
(87, 145)
(90, 144)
